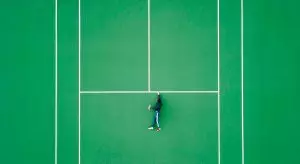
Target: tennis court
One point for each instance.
(130, 50)
(79, 75)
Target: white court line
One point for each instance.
(79, 81)
(134, 92)
(242, 78)
(219, 114)
(149, 49)
(56, 85)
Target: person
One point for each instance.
(156, 108)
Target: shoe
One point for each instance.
(151, 128)
(157, 93)
(158, 129)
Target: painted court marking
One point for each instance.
(242, 79)
(56, 85)
(219, 84)
(79, 81)
(132, 92)
(149, 48)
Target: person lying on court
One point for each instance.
(156, 109)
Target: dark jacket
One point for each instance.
(158, 105)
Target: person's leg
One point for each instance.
(154, 120)
(153, 123)
(157, 119)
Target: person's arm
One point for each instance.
(149, 107)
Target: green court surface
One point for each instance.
(114, 129)
(86, 101)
